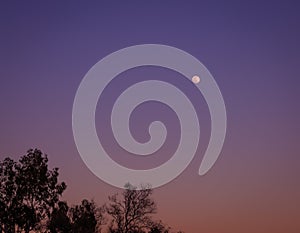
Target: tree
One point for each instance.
(77, 219)
(59, 220)
(159, 227)
(38, 188)
(29, 192)
(83, 217)
(30, 201)
(9, 202)
(133, 212)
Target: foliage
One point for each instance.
(9, 201)
(29, 191)
(83, 217)
(59, 219)
(77, 219)
(30, 201)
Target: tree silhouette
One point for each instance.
(9, 202)
(59, 219)
(159, 227)
(77, 219)
(133, 211)
(83, 217)
(29, 192)
(30, 201)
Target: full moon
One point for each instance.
(195, 79)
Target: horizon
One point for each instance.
(252, 51)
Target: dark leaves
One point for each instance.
(29, 191)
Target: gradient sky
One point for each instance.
(251, 48)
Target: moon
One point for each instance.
(195, 79)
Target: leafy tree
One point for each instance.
(83, 217)
(38, 188)
(29, 192)
(159, 227)
(77, 219)
(59, 220)
(9, 202)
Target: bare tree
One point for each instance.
(133, 211)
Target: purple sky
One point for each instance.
(252, 49)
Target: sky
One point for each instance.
(251, 48)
